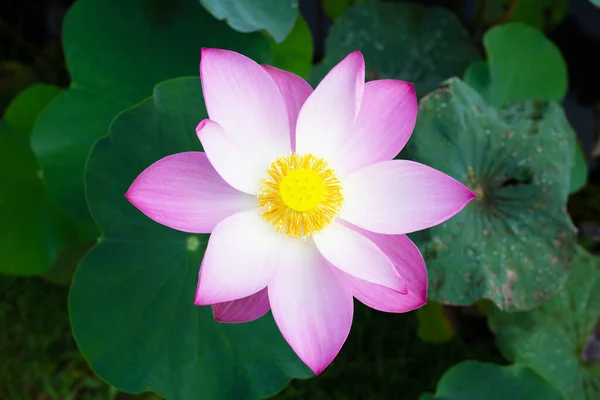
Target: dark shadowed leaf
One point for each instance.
(411, 42)
(474, 380)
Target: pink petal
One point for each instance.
(240, 259)
(400, 196)
(239, 167)
(385, 122)
(184, 192)
(408, 262)
(294, 90)
(241, 97)
(243, 310)
(328, 117)
(312, 305)
(358, 256)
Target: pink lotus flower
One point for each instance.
(305, 206)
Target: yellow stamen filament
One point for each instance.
(301, 195)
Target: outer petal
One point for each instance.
(240, 259)
(241, 168)
(184, 192)
(312, 305)
(328, 117)
(385, 122)
(408, 262)
(243, 310)
(294, 90)
(242, 98)
(400, 196)
(358, 256)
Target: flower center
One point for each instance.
(301, 195)
(302, 189)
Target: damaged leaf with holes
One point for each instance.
(514, 243)
(561, 339)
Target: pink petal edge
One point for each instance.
(400, 196)
(184, 192)
(312, 305)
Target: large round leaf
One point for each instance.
(557, 340)
(132, 300)
(275, 16)
(116, 52)
(514, 243)
(473, 380)
(411, 42)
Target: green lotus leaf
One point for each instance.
(116, 51)
(561, 339)
(474, 380)
(275, 16)
(407, 41)
(132, 299)
(514, 243)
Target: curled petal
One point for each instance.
(358, 256)
(243, 99)
(408, 261)
(243, 310)
(240, 168)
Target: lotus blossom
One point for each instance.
(305, 205)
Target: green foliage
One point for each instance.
(275, 16)
(533, 70)
(34, 229)
(113, 69)
(136, 287)
(559, 340)
(514, 243)
(434, 324)
(473, 380)
(295, 53)
(406, 41)
(539, 14)
(335, 8)
(22, 112)
(135, 97)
